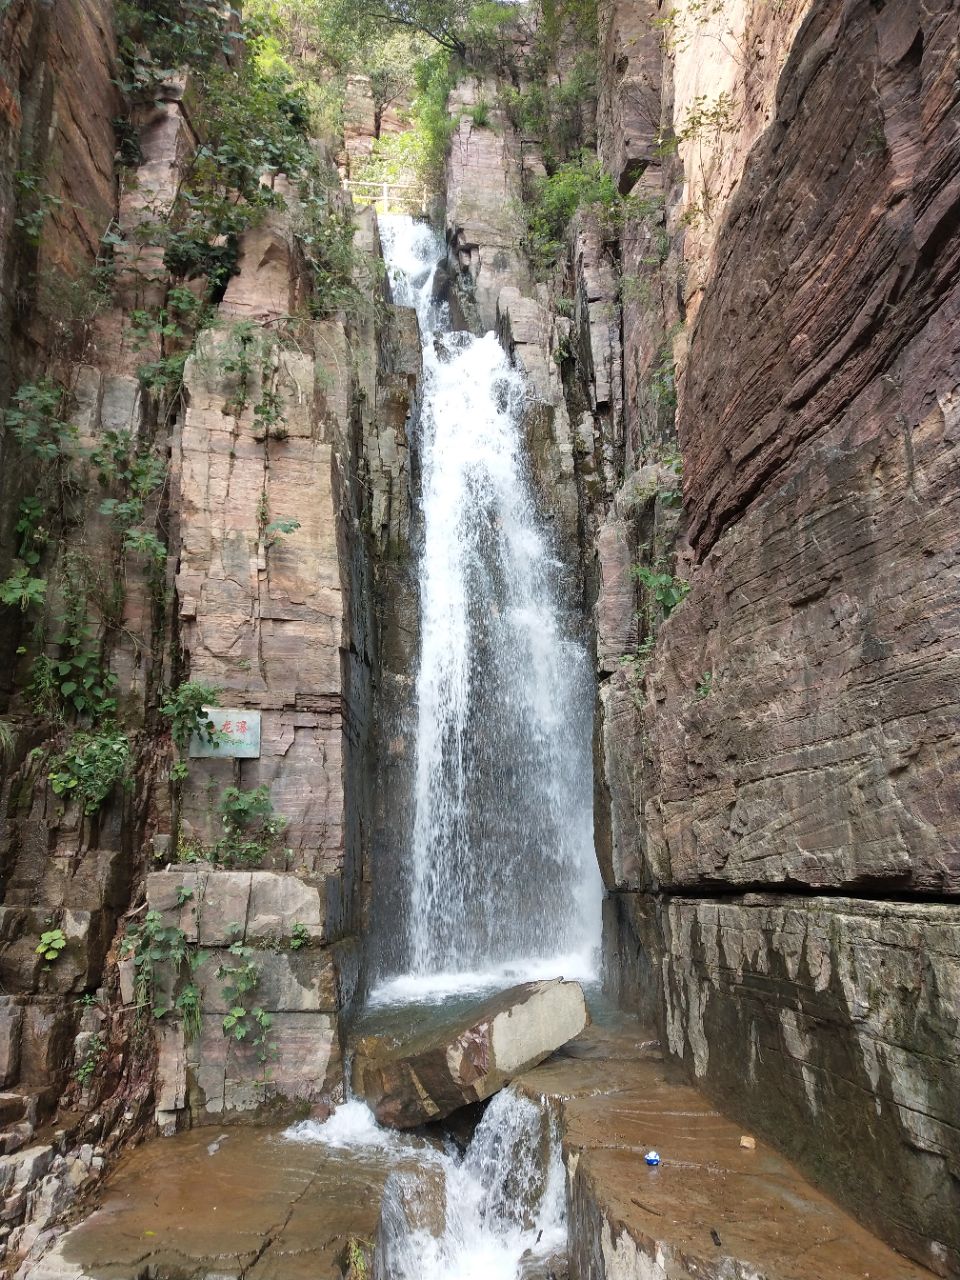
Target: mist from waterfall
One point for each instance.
(501, 879)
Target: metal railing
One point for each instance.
(388, 197)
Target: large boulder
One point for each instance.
(453, 1058)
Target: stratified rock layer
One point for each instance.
(408, 1078)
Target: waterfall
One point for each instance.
(485, 1215)
(501, 877)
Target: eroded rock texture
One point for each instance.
(795, 728)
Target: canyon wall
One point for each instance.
(778, 789)
(749, 385)
(746, 386)
(280, 492)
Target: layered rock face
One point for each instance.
(794, 730)
(283, 485)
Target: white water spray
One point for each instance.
(483, 1216)
(501, 875)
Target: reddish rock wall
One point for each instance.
(795, 728)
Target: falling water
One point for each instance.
(483, 1216)
(502, 880)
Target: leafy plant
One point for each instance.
(480, 114)
(704, 685)
(42, 689)
(8, 739)
(36, 420)
(667, 590)
(90, 767)
(299, 936)
(34, 204)
(156, 949)
(188, 1005)
(185, 708)
(88, 1066)
(33, 536)
(251, 826)
(278, 527)
(22, 589)
(78, 674)
(576, 183)
(52, 942)
(243, 1020)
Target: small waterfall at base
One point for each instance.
(502, 882)
(487, 1215)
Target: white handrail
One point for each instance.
(377, 192)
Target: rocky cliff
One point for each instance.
(207, 512)
(777, 791)
(743, 419)
(752, 381)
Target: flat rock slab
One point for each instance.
(713, 1209)
(225, 1204)
(442, 1059)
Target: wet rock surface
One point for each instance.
(241, 1204)
(424, 1070)
(855, 1003)
(713, 1208)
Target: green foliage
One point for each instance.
(156, 949)
(140, 473)
(184, 708)
(435, 78)
(553, 112)
(88, 1066)
(243, 1020)
(662, 382)
(35, 420)
(268, 420)
(33, 535)
(278, 527)
(299, 936)
(251, 826)
(119, 460)
(480, 114)
(325, 235)
(156, 37)
(51, 944)
(21, 589)
(242, 810)
(90, 766)
(575, 184)
(704, 686)
(667, 590)
(42, 689)
(79, 680)
(188, 1005)
(33, 205)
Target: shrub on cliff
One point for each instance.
(578, 183)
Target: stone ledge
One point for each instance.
(832, 1027)
(631, 1221)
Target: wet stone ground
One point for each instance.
(713, 1209)
(212, 1205)
(227, 1204)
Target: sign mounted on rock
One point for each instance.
(236, 735)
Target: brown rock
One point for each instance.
(409, 1078)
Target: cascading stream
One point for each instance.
(481, 1216)
(502, 879)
